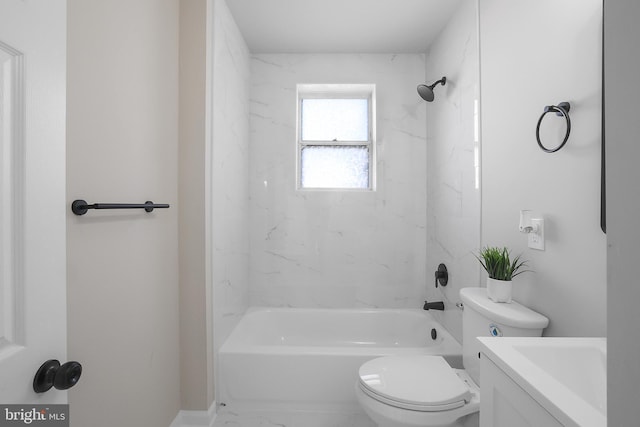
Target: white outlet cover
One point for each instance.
(536, 240)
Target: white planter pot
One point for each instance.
(499, 290)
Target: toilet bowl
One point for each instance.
(424, 390)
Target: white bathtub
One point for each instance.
(308, 359)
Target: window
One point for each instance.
(336, 147)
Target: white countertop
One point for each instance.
(567, 376)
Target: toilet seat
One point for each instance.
(419, 383)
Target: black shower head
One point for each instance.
(426, 92)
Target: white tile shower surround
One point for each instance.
(289, 419)
(230, 241)
(338, 249)
(453, 208)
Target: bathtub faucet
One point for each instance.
(438, 305)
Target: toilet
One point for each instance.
(423, 390)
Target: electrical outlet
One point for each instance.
(536, 239)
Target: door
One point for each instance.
(32, 195)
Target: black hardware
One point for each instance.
(51, 374)
(426, 92)
(442, 275)
(434, 334)
(603, 176)
(43, 380)
(561, 110)
(438, 305)
(80, 207)
(68, 375)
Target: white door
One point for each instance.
(32, 195)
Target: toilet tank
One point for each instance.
(484, 318)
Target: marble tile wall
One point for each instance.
(337, 248)
(229, 178)
(453, 150)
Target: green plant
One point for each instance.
(497, 262)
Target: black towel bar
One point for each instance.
(80, 207)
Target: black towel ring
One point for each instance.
(561, 110)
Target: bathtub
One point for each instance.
(308, 359)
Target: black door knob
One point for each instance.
(52, 374)
(43, 380)
(67, 376)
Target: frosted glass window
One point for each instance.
(335, 119)
(331, 166)
(336, 137)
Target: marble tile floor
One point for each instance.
(291, 419)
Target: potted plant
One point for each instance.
(501, 269)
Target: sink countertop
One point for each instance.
(567, 376)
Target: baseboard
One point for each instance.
(195, 418)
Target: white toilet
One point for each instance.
(422, 390)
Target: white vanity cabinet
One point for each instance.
(505, 404)
(545, 382)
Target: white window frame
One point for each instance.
(337, 91)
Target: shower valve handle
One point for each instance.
(442, 276)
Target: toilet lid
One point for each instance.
(421, 383)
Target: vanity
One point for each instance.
(545, 382)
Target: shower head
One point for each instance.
(426, 92)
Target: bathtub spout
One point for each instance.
(438, 305)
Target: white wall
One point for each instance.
(622, 67)
(122, 145)
(337, 248)
(229, 174)
(534, 54)
(196, 335)
(453, 149)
